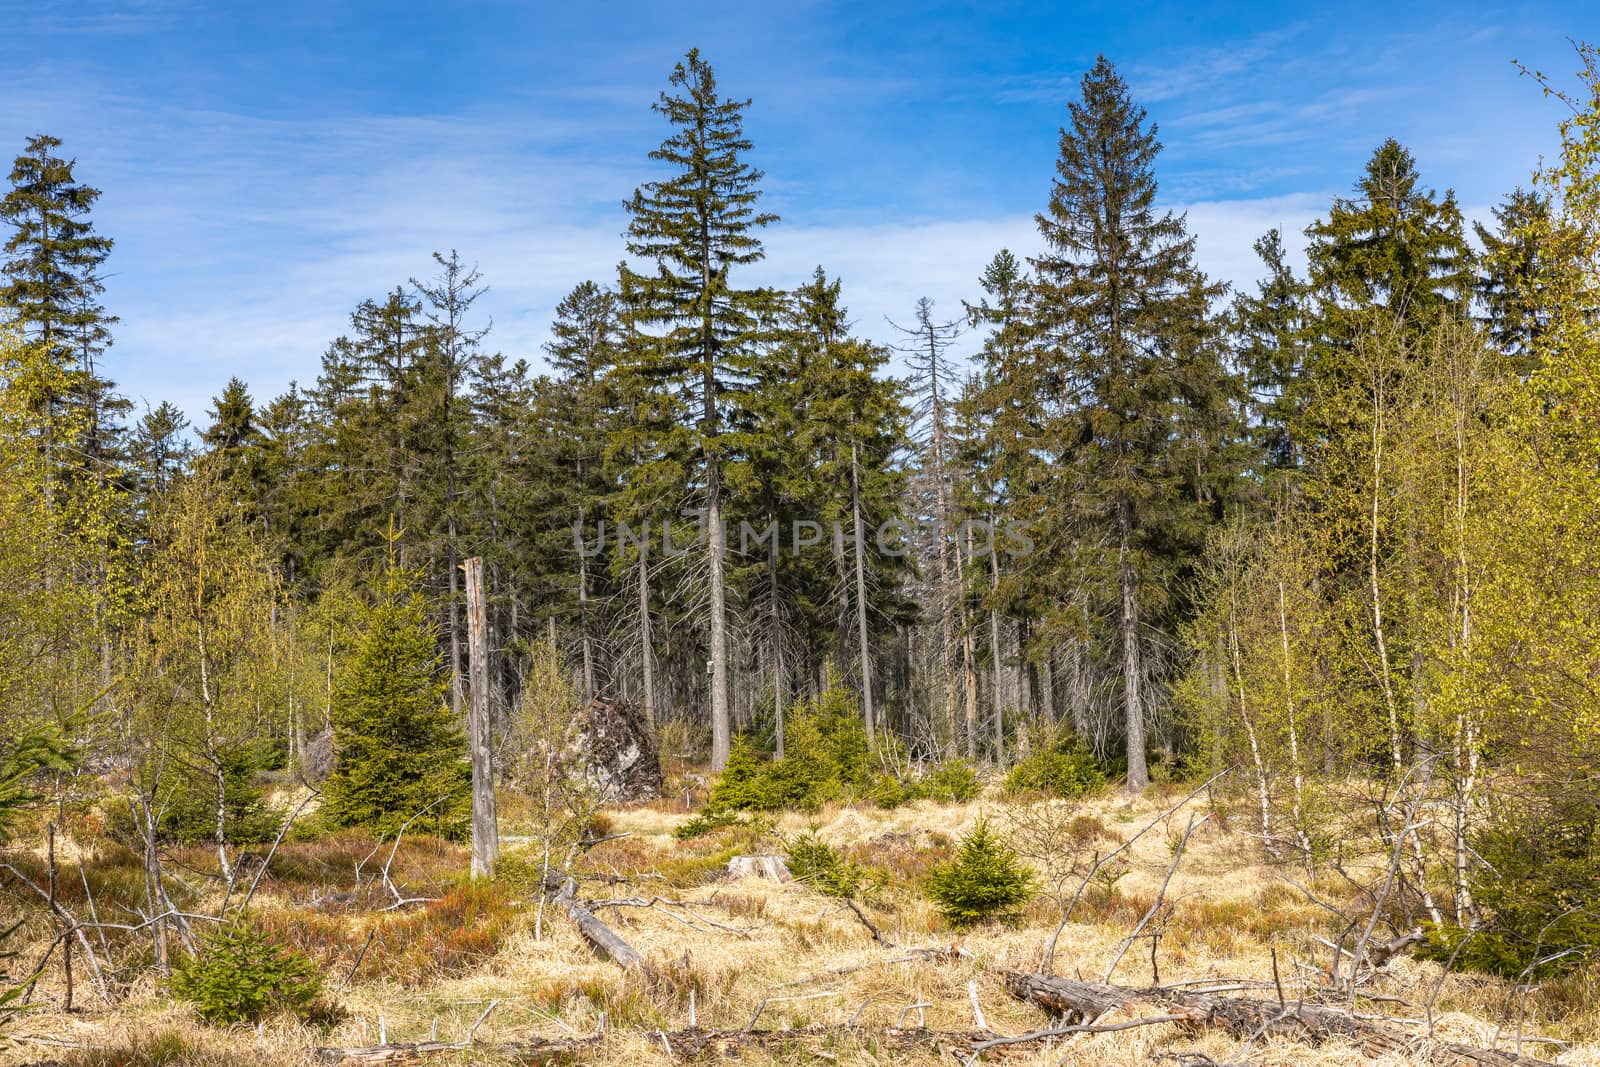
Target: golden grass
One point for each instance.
(433, 968)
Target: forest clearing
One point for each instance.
(787, 974)
(1122, 665)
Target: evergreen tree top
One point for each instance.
(1113, 259)
(1395, 244)
(53, 253)
(699, 218)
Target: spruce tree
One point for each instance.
(1394, 245)
(697, 226)
(451, 361)
(1007, 402)
(1121, 309)
(1269, 332)
(1519, 255)
(398, 751)
(52, 275)
(233, 436)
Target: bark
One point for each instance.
(778, 696)
(647, 667)
(997, 693)
(600, 936)
(690, 1043)
(1138, 773)
(1250, 1019)
(583, 618)
(485, 829)
(865, 651)
(720, 736)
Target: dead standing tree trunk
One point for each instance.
(485, 828)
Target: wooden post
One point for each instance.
(485, 827)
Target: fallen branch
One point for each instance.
(598, 934)
(1084, 1002)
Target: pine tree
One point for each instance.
(451, 361)
(398, 751)
(1120, 305)
(233, 435)
(585, 347)
(932, 388)
(697, 225)
(372, 414)
(1008, 402)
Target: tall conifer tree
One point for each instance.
(1119, 303)
(697, 226)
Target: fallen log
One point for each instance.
(1084, 1002)
(603, 939)
(691, 1043)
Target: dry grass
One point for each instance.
(433, 968)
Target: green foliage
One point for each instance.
(1065, 768)
(191, 815)
(399, 753)
(709, 821)
(825, 758)
(985, 880)
(819, 865)
(745, 782)
(36, 749)
(1537, 888)
(952, 782)
(240, 976)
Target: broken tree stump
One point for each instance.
(770, 868)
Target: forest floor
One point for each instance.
(723, 947)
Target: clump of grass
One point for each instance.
(160, 1048)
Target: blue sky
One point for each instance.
(266, 166)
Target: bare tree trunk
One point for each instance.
(720, 736)
(485, 827)
(1299, 802)
(1374, 589)
(589, 689)
(453, 605)
(1132, 678)
(646, 656)
(1262, 791)
(778, 696)
(865, 650)
(997, 694)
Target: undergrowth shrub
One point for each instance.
(191, 814)
(709, 821)
(819, 865)
(952, 782)
(240, 976)
(985, 879)
(1064, 768)
(1537, 888)
(825, 759)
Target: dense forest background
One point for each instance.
(1338, 530)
